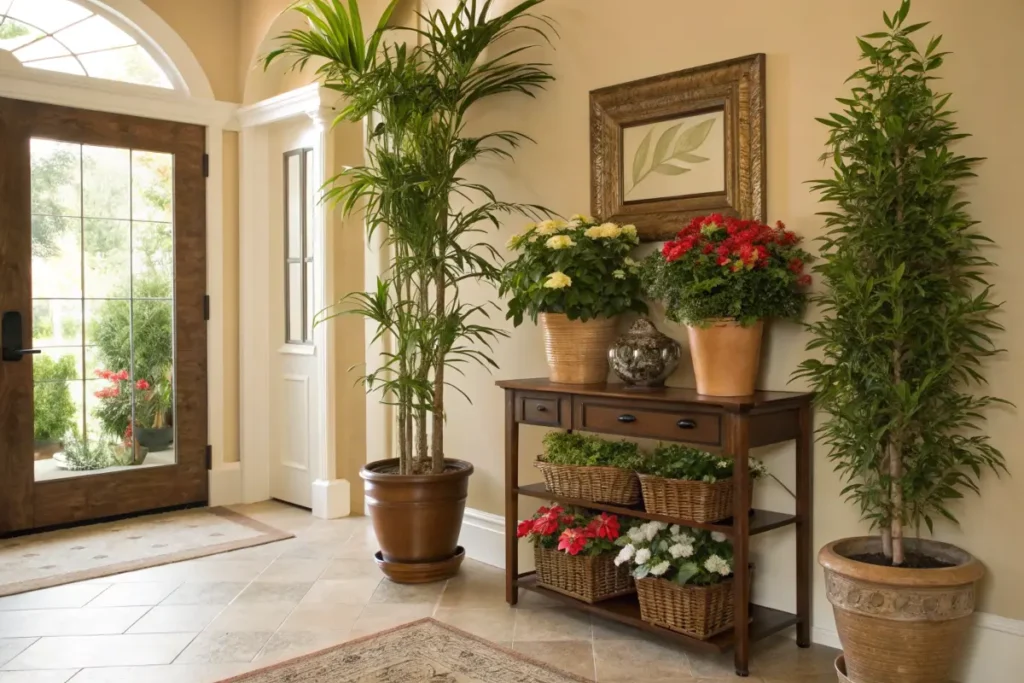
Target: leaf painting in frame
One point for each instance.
(674, 158)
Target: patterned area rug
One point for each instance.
(53, 558)
(421, 652)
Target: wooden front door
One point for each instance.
(103, 406)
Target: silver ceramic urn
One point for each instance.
(644, 357)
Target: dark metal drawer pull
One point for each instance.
(627, 418)
(686, 424)
(542, 408)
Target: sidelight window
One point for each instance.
(298, 228)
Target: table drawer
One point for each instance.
(543, 409)
(649, 422)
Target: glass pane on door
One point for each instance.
(103, 309)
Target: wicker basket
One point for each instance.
(685, 499)
(697, 611)
(587, 578)
(598, 484)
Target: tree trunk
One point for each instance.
(437, 444)
(896, 491)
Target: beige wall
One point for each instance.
(811, 50)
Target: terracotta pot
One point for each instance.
(577, 351)
(417, 519)
(900, 625)
(725, 357)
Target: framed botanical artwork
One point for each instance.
(671, 147)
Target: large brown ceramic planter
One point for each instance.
(577, 351)
(900, 625)
(417, 519)
(725, 357)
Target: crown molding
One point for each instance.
(311, 100)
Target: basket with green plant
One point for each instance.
(689, 483)
(587, 467)
(574, 552)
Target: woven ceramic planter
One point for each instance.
(587, 578)
(599, 484)
(900, 625)
(685, 499)
(725, 357)
(697, 611)
(577, 351)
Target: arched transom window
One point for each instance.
(60, 35)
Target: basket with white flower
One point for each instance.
(577, 277)
(574, 553)
(683, 577)
(688, 483)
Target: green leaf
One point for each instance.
(693, 137)
(691, 158)
(664, 140)
(640, 158)
(669, 169)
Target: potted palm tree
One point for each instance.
(415, 194)
(907, 319)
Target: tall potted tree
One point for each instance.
(907, 319)
(414, 191)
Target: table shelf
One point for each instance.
(759, 521)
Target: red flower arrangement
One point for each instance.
(571, 532)
(724, 267)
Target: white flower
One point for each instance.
(675, 528)
(636, 534)
(529, 227)
(629, 230)
(683, 538)
(605, 230)
(558, 280)
(723, 464)
(514, 241)
(618, 274)
(719, 536)
(681, 550)
(550, 227)
(659, 569)
(718, 565)
(626, 554)
(651, 529)
(559, 242)
(642, 556)
(581, 218)
(630, 263)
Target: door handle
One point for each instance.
(12, 339)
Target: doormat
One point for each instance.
(421, 652)
(53, 558)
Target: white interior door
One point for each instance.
(294, 411)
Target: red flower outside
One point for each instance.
(142, 385)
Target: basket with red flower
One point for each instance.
(723, 277)
(575, 553)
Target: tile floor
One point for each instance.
(208, 619)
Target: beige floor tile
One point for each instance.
(474, 591)
(205, 593)
(386, 616)
(648, 660)
(267, 616)
(396, 593)
(291, 592)
(346, 570)
(353, 592)
(550, 625)
(87, 651)
(779, 657)
(496, 624)
(267, 551)
(332, 619)
(45, 676)
(177, 619)
(59, 597)
(224, 647)
(68, 622)
(531, 600)
(173, 673)
(285, 645)
(196, 570)
(311, 550)
(284, 570)
(134, 594)
(12, 647)
(605, 629)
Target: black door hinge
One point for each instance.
(206, 307)
(209, 457)
(206, 165)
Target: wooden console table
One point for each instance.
(720, 424)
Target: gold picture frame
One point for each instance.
(679, 145)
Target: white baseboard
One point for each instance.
(995, 653)
(332, 499)
(225, 484)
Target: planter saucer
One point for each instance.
(421, 572)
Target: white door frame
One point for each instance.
(257, 341)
